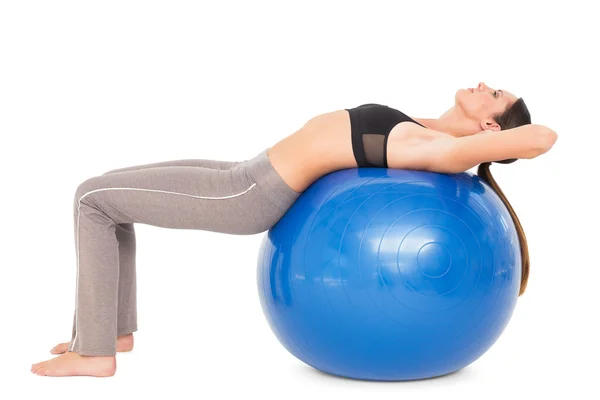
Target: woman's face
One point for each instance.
(482, 102)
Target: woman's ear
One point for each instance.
(490, 125)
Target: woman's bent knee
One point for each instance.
(87, 186)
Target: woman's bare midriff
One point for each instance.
(321, 146)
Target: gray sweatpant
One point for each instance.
(246, 197)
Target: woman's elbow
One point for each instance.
(546, 138)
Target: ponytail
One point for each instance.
(484, 173)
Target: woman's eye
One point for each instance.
(495, 93)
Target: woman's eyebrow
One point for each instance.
(500, 90)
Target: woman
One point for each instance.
(483, 126)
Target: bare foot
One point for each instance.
(124, 344)
(72, 364)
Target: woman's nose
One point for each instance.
(481, 86)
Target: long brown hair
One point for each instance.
(514, 115)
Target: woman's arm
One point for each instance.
(448, 154)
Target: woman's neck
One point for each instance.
(452, 122)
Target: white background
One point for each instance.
(86, 87)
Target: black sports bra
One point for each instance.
(371, 125)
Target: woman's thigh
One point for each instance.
(180, 197)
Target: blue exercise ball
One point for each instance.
(387, 274)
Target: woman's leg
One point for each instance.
(127, 296)
(230, 201)
(125, 233)
(175, 197)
